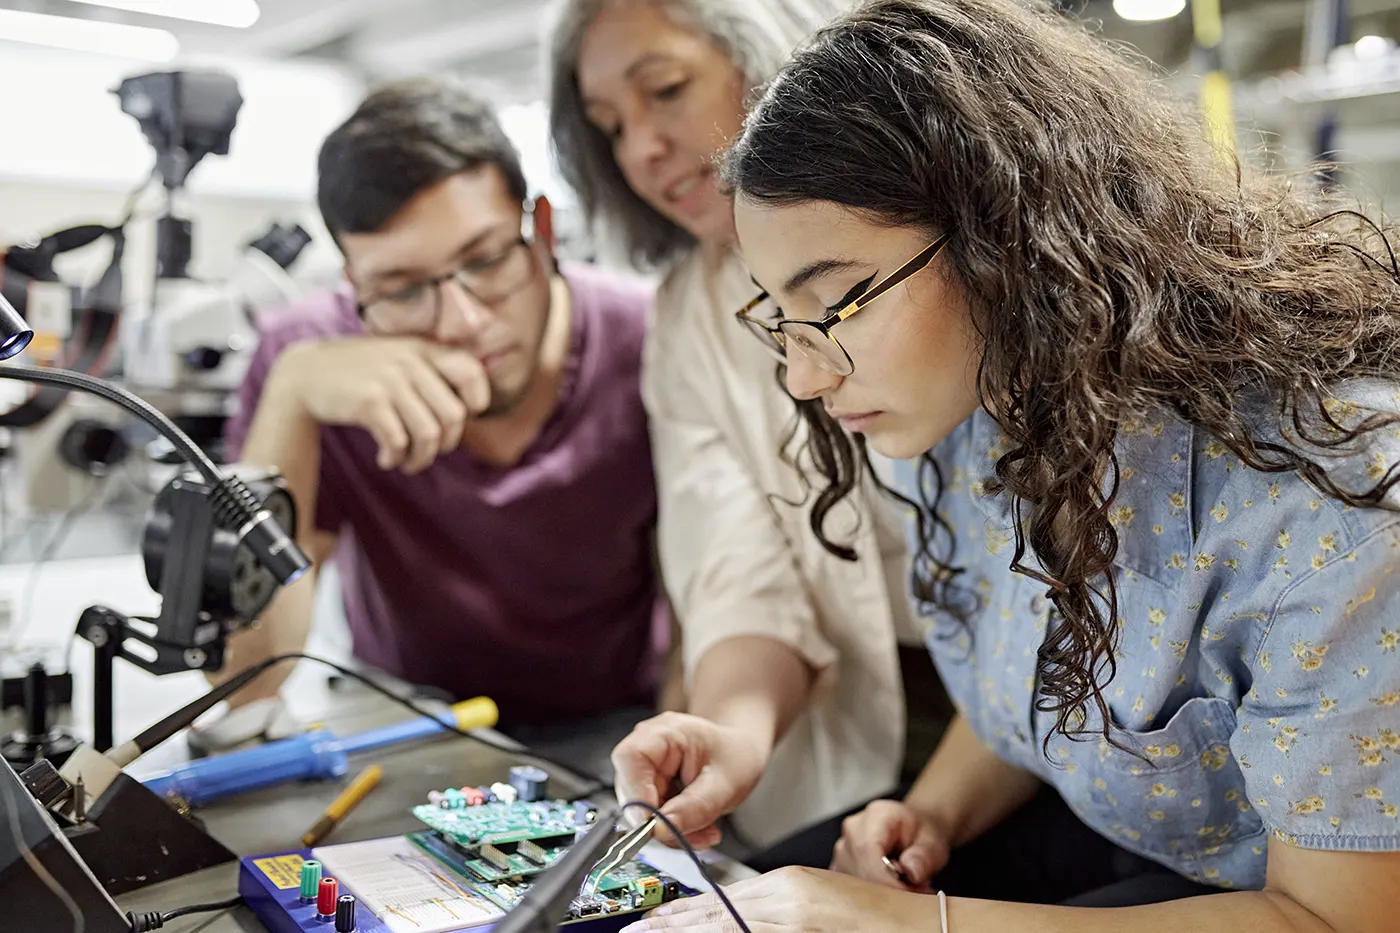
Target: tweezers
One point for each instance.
(622, 851)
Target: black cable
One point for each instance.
(50, 551)
(597, 782)
(235, 506)
(694, 857)
(203, 908)
(62, 378)
(162, 730)
(144, 923)
(27, 535)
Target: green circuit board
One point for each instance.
(547, 823)
(499, 846)
(633, 886)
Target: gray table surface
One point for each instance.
(273, 819)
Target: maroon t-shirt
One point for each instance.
(532, 584)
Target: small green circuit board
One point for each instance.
(514, 866)
(548, 824)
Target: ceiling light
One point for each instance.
(240, 14)
(1368, 47)
(1145, 11)
(87, 35)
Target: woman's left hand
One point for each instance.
(799, 900)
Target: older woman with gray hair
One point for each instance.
(795, 631)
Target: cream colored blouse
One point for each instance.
(739, 557)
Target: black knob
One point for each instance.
(36, 701)
(203, 358)
(92, 446)
(345, 914)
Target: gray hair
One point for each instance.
(758, 35)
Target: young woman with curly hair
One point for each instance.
(1152, 402)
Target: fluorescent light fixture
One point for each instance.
(87, 35)
(1146, 11)
(239, 14)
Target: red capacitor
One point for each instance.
(326, 896)
(475, 797)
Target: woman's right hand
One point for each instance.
(914, 841)
(695, 770)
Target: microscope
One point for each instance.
(188, 350)
(185, 353)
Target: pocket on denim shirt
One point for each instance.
(1182, 804)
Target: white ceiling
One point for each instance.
(496, 44)
(497, 40)
(491, 41)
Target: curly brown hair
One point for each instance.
(1115, 265)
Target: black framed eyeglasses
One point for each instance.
(814, 339)
(489, 278)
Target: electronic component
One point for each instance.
(648, 891)
(475, 796)
(326, 896)
(345, 914)
(534, 853)
(478, 868)
(549, 824)
(496, 857)
(504, 792)
(35, 857)
(310, 880)
(529, 782)
(472, 864)
(504, 845)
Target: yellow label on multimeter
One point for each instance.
(284, 871)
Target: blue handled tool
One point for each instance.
(316, 755)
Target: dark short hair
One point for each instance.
(404, 137)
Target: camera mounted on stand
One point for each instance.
(188, 352)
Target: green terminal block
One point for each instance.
(310, 880)
(649, 891)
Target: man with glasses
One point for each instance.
(462, 428)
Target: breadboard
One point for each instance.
(404, 888)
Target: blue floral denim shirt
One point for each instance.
(1258, 663)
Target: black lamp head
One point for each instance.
(14, 332)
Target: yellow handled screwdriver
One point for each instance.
(366, 781)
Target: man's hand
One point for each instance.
(413, 396)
